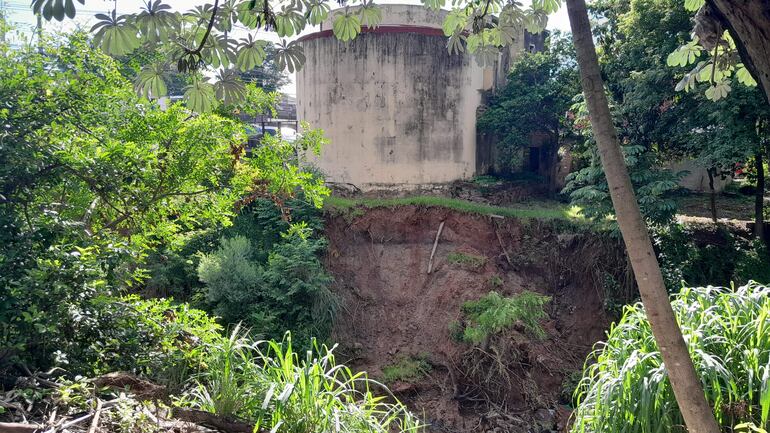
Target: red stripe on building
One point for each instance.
(421, 30)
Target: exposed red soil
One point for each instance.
(393, 309)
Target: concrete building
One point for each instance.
(400, 111)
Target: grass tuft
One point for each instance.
(464, 259)
(406, 369)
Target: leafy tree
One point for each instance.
(92, 179)
(539, 91)
(635, 38)
(696, 412)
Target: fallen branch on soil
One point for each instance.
(211, 420)
(500, 239)
(435, 244)
(95, 421)
(17, 427)
(140, 388)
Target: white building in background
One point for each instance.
(400, 111)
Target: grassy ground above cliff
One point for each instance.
(535, 209)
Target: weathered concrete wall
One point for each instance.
(399, 109)
(697, 178)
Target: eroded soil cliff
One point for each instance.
(393, 310)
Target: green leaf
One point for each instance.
(251, 54)
(434, 4)
(289, 22)
(454, 21)
(718, 91)
(156, 21)
(218, 51)
(371, 15)
(693, 5)
(346, 26)
(229, 88)
(535, 20)
(226, 16)
(56, 9)
(199, 96)
(319, 11)
(456, 43)
(744, 76)
(289, 55)
(548, 6)
(150, 83)
(685, 55)
(115, 35)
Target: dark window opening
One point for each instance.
(534, 159)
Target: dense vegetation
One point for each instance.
(144, 238)
(625, 386)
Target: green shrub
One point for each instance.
(290, 291)
(494, 313)
(625, 385)
(753, 264)
(406, 369)
(232, 279)
(464, 259)
(725, 259)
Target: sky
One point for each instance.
(20, 14)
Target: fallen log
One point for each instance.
(18, 427)
(140, 388)
(209, 419)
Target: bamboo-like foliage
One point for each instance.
(625, 387)
(273, 386)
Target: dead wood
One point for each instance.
(140, 388)
(17, 427)
(212, 420)
(435, 244)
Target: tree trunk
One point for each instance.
(759, 197)
(712, 194)
(687, 388)
(749, 24)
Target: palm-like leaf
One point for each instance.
(57, 9)
(256, 14)
(289, 22)
(434, 4)
(199, 96)
(226, 16)
(251, 53)
(115, 35)
(455, 43)
(346, 26)
(371, 15)
(218, 51)
(229, 88)
(318, 11)
(156, 21)
(149, 82)
(200, 14)
(289, 56)
(535, 20)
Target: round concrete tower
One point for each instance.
(400, 111)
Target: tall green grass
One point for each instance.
(627, 389)
(280, 390)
